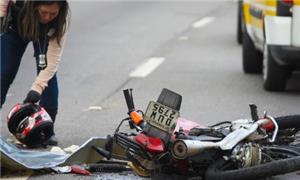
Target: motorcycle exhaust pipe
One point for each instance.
(185, 148)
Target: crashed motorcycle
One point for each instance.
(163, 143)
(160, 144)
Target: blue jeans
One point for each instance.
(12, 50)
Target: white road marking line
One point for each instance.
(92, 108)
(147, 67)
(183, 38)
(203, 22)
(95, 108)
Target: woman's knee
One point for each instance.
(49, 97)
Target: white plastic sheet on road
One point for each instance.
(19, 159)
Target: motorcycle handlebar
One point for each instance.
(134, 115)
(254, 114)
(129, 99)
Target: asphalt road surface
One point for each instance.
(194, 46)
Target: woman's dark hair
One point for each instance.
(29, 25)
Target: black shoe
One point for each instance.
(52, 141)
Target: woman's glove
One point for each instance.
(32, 97)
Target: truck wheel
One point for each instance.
(239, 32)
(274, 75)
(252, 58)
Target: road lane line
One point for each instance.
(147, 67)
(183, 38)
(203, 22)
(95, 108)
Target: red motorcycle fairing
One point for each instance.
(269, 127)
(152, 144)
(156, 145)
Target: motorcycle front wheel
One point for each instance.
(219, 170)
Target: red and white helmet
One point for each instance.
(30, 124)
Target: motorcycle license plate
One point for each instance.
(161, 116)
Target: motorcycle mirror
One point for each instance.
(265, 114)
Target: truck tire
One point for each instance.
(274, 76)
(239, 31)
(252, 58)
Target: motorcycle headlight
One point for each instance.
(179, 150)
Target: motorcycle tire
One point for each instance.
(273, 168)
(289, 130)
(286, 122)
(161, 176)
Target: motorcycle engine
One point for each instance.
(247, 154)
